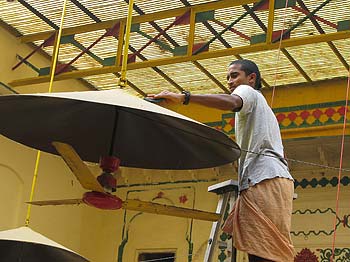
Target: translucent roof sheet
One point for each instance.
(318, 61)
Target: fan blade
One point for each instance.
(78, 167)
(57, 202)
(149, 207)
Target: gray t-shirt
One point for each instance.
(257, 131)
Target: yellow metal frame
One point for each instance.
(188, 58)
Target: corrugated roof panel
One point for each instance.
(67, 52)
(18, 16)
(334, 11)
(317, 60)
(187, 75)
(105, 81)
(343, 47)
(75, 17)
(107, 47)
(275, 68)
(197, 2)
(218, 68)
(285, 18)
(203, 35)
(152, 6)
(107, 9)
(179, 33)
(148, 80)
(89, 37)
(244, 25)
(53, 11)
(153, 50)
(248, 25)
(320, 66)
(148, 31)
(255, 28)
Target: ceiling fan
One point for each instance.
(101, 189)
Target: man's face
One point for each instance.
(236, 77)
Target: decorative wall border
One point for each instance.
(344, 221)
(314, 182)
(340, 254)
(302, 116)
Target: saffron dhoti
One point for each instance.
(260, 221)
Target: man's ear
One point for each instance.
(252, 79)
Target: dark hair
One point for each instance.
(249, 67)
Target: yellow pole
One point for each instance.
(270, 21)
(55, 56)
(33, 188)
(123, 80)
(52, 75)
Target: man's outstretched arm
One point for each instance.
(218, 101)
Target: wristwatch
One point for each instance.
(187, 97)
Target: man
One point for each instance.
(261, 218)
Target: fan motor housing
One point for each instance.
(109, 164)
(102, 200)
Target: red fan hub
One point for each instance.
(102, 200)
(109, 164)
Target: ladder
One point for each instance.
(227, 192)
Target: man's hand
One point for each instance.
(169, 97)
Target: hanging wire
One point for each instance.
(340, 165)
(298, 161)
(279, 53)
(52, 75)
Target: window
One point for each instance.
(156, 257)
